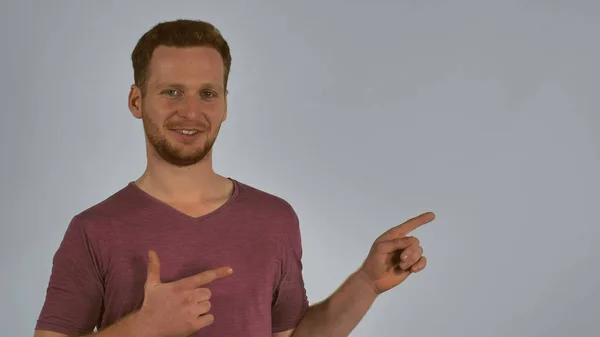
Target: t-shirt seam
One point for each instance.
(287, 246)
(93, 248)
(291, 323)
(44, 325)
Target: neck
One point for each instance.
(169, 182)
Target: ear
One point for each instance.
(135, 101)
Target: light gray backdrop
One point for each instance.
(361, 115)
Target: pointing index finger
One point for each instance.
(205, 277)
(410, 225)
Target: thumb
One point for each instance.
(153, 277)
(389, 246)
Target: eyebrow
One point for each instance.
(180, 86)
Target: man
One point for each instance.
(184, 251)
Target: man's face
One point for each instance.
(185, 103)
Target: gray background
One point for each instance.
(361, 115)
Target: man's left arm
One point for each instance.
(339, 314)
(392, 258)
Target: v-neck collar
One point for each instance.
(155, 202)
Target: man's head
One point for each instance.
(181, 69)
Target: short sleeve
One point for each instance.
(74, 296)
(290, 302)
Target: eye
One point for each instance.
(172, 92)
(208, 94)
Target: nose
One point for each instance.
(191, 107)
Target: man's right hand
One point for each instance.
(179, 308)
(176, 309)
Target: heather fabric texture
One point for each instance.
(99, 269)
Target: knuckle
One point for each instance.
(176, 288)
(192, 325)
(203, 321)
(202, 294)
(208, 275)
(209, 319)
(404, 241)
(205, 276)
(205, 306)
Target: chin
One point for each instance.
(181, 160)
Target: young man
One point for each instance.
(184, 251)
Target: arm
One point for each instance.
(336, 316)
(74, 296)
(130, 326)
(178, 308)
(392, 258)
(45, 333)
(339, 314)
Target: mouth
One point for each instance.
(187, 136)
(187, 132)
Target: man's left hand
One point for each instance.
(395, 255)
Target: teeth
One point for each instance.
(187, 132)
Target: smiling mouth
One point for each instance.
(187, 132)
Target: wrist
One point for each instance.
(140, 324)
(365, 283)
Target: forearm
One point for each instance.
(339, 314)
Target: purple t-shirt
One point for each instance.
(100, 267)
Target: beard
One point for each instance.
(170, 152)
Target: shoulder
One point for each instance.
(265, 202)
(121, 204)
(276, 210)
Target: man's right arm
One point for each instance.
(179, 308)
(45, 333)
(130, 326)
(74, 295)
(74, 298)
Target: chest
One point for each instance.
(245, 295)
